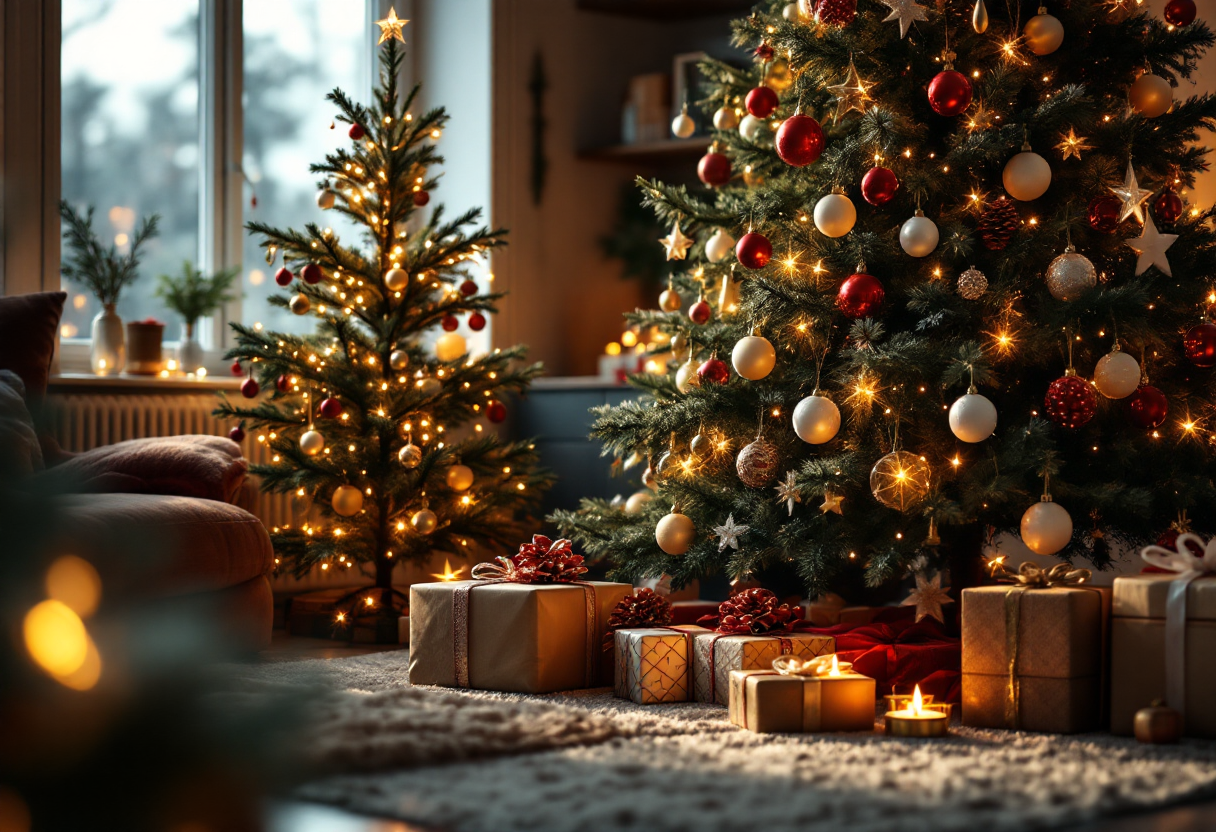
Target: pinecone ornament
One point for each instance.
(544, 561)
(755, 611)
(647, 608)
(998, 222)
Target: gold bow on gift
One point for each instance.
(819, 666)
(1033, 576)
(500, 569)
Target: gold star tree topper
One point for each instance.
(391, 27)
(676, 243)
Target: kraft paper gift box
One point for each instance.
(1138, 652)
(716, 654)
(654, 664)
(767, 702)
(1057, 653)
(526, 638)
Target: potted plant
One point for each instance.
(194, 295)
(104, 272)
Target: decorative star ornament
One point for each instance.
(391, 27)
(1072, 145)
(1150, 248)
(981, 117)
(787, 492)
(676, 243)
(1132, 195)
(831, 502)
(729, 533)
(851, 94)
(928, 597)
(448, 574)
(905, 11)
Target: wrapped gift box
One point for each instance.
(1057, 650)
(1137, 635)
(767, 702)
(653, 665)
(715, 655)
(528, 638)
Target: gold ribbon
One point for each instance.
(819, 666)
(499, 569)
(1032, 576)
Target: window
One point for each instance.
(145, 92)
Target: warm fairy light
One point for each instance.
(818, 269)
(956, 461)
(370, 601)
(629, 338)
(340, 618)
(790, 263)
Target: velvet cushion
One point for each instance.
(28, 324)
(18, 442)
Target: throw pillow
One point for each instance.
(19, 449)
(28, 324)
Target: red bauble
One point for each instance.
(761, 102)
(835, 12)
(237, 369)
(1179, 12)
(1199, 344)
(283, 276)
(282, 383)
(949, 93)
(1071, 401)
(753, 250)
(237, 434)
(714, 371)
(860, 296)
(249, 388)
(421, 198)
(330, 408)
(1104, 213)
(311, 274)
(477, 322)
(355, 132)
(468, 288)
(496, 412)
(1167, 206)
(450, 323)
(700, 312)
(714, 169)
(799, 140)
(878, 186)
(1147, 406)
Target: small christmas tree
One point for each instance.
(369, 426)
(947, 252)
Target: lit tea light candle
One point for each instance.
(920, 719)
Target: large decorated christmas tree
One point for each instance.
(383, 434)
(947, 283)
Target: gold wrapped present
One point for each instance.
(798, 696)
(716, 654)
(653, 665)
(1033, 653)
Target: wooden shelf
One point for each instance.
(668, 150)
(666, 10)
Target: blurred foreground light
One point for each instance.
(58, 642)
(75, 583)
(14, 813)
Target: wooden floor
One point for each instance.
(308, 817)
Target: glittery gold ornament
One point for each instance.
(299, 304)
(757, 463)
(1070, 275)
(900, 480)
(972, 284)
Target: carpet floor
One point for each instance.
(475, 761)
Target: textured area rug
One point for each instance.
(627, 768)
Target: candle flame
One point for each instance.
(835, 671)
(917, 702)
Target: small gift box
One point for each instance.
(798, 696)
(1163, 638)
(526, 624)
(654, 665)
(1034, 653)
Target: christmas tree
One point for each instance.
(965, 278)
(370, 427)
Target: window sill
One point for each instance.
(124, 383)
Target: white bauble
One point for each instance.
(972, 417)
(675, 533)
(1151, 95)
(399, 359)
(312, 442)
(450, 346)
(753, 357)
(816, 419)
(424, 521)
(396, 279)
(791, 13)
(1117, 375)
(1044, 34)
(751, 128)
(835, 215)
(325, 199)
(918, 236)
(410, 456)
(686, 376)
(430, 386)
(347, 500)
(1026, 176)
(459, 477)
(1046, 528)
(683, 126)
(720, 246)
(726, 118)
(637, 501)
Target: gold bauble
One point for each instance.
(450, 347)
(347, 500)
(459, 477)
(778, 76)
(396, 280)
(424, 521)
(410, 455)
(299, 304)
(669, 300)
(757, 463)
(900, 480)
(675, 533)
(399, 359)
(637, 502)
(1043, 33)
(1151, 95)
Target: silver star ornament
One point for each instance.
(787, 492)
(1132, 194)
(928, 597)
(676, 243)
(905, 11)
(1150, 248)
(729, 533)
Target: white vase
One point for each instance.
(108, 354)
(189, 351)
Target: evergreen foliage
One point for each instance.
(194, 295)
(100, 269)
